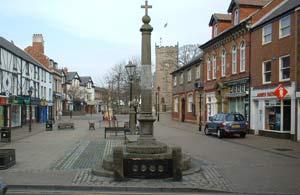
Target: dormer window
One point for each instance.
(236, 17)
(215, 30)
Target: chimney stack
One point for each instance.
(38, 43)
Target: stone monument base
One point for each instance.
(138, 160)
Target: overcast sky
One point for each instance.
(90, 36)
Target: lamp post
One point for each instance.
(200, 111)
(30, 108)
(158, 89)
(130, 69)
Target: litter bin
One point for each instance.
(49, 125)
(5, 134)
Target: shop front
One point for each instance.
(43, 111)
(272, 116)
(3, 111)
(16, 103)
(238, 96)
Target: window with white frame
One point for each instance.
(284, 68)
(208, 69)
(26, 68)
(285, 26)
(14, 85)
(189, 75)
(181, 78)
(174, 80)
(267, 34)
(243, 56)
(176, 104)
(190, 103)
(215, 30)
(236, 17)
(223, 63)
(234, 57)
(214, 68)
(198, 72)
(267, 72)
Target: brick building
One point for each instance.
(226, 59)
(166, 62)
(188, 92)
(274, 61)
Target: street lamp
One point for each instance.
(158, 89)
(130, 69)
(30, 108)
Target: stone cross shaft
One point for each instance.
(146, 6)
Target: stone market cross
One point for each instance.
(146, 6)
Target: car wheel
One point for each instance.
(206, 131)
(219, 133)
(243, 135)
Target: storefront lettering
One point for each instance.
(265, 94)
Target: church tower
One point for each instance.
(166, 62)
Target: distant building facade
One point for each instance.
(18, 73)
(187, 97)
(165, 63)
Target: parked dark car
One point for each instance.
(225, 124)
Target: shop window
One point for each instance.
(273, 113)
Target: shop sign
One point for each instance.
(3, 101)
(15, 100)
(26, 99)
(265, 94)
(43, 103)
(280, 92)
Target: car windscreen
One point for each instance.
(235, 117)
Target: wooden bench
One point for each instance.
(91, 125)
(65, 125)
(115, 130)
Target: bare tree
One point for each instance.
(187, 53)
(77, 93)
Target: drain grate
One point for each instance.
(283, 149)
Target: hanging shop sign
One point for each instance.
(280, 92)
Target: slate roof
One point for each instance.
(70, 76)
(258, 3)
(17, 51)
(221, 17)
(85, 80)
(284, 8)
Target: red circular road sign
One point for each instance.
(280, 92)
